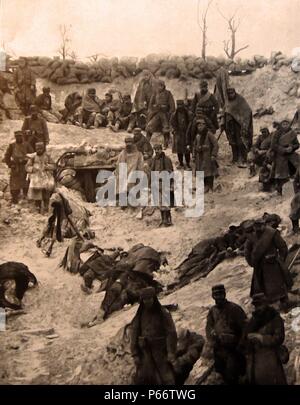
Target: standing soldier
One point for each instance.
(16, 159)
(224, 329)
(153, 341)
(238, 124)
(266, 251)
(25, 85)
(37, 126)
(206, 103)
(4, 89)
(286, 160)
(181, 143)
(161, 108)
(163, 189)
(264, 336)
(206, 151)
(141, 101)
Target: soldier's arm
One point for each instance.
(295, 144)
(8, 155)
(45, 131)
(194, 103)
(215, 146)
(280, 245)
(210, 325)
(25, 125)
(215, 104)
(171, 334)
(277, 338)
(134, 335)
(240, 320)
(171, 103)
(248, 252)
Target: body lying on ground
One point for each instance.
(20, 274)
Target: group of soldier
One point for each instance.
(243, 351)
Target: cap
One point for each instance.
(33, 108)
(180, 102)
(148, 292)
(91, 90)
(128, 139)
(137, 130)
(218, 288)
(18, 133)
(157, 146)
(203, 83)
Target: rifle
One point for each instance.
(294, 259)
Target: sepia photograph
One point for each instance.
(149, 195)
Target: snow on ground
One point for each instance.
(58, 306)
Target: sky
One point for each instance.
(141, 27)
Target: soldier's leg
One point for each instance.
(180, 159)
(91, 120)
(110, 119)
(89, 277)
(152, 126)
(15, 194)
(188, 159)
(132, 122)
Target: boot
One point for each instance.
(163, 221)
(296, 228)
(169, 218)
(252, 170)
(116, 127)
(166, 140)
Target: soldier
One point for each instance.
(161, 108)
(25, 85)
(108, 112)
(238, 124)
(162, 163)
(266, 251)
(44, 103)
(72, 102)
(91, 107)
(205, 151)
(286, 160)
(206, 103)
(224, 328)
(123, 114)
(141, 102)
(295, 204)
(153, 341)
(264, 336)
(259, 150)
(4, 89)
(37, 126)
(181, 143)
(40, 167)
(142, 143)
(15, 158)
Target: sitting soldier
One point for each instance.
(123, 114)
(258, 152)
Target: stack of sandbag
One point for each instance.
(277, 60)
(107, 70)
(293, 88)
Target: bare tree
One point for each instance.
(202, 22)
(96, 57)
(64, 49)
(230, 45)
